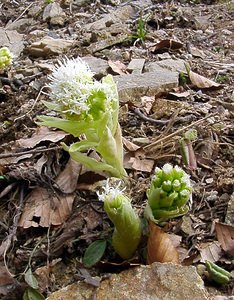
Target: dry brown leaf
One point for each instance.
(118, 67)
(147, 103)
(166, 44)
(42, 134)
(160, 248)
(67, 179)
(197, 52)
(129, 145)
(6, 280)
(143, 165)
(210, 251)
(201, 81)
(45, 208)
(225, 236)
(180, 95)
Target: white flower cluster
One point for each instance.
(110, 191)
(72, 87)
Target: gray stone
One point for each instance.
(153, 282)
(106, 43)
(54, 14)
(48, 46)
(175, 65)
(97, 65)
(229, 219)
(136, 65)
(133, 86)
(119, 15)
(20, 25)
(13, 40)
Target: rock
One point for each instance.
(201, 22)
(229, 219)
(54, 14)
(97, 65)
(106, 43)
(20, 25)
(154, 282)
(13, 40)
(175, 65)
(119, 15)
(49, 46)
(136, 65)
(132, 86)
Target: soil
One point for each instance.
(205, 29)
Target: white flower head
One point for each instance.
(167, 168)
(110, 191)
(75, 91)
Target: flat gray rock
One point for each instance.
(133, 86)
(175, 65)
(97, 65)
(13, 40)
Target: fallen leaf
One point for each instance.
(165, 45)
(210, 251)
(118, 67)
(6, 280)
(129, 145)
(147, 103)
(67, 179)
(197, 52)
(225, 236)
(42, 134)
(160, 248)
(144, 165)
(201, 81)
(45, 208)
(180, 95)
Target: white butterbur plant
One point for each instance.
(89, 108)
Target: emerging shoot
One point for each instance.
(168, 194)
(127, 230)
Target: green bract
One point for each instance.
(90, 108)
(127, 231)
(168, 194)
(5, 57)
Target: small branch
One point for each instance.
(6, 155)
(138, 112)
(150, 146)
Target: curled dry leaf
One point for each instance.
(165, 45)
(42, 134)
(201, 81)
(225, 235)
(160, 248)
(118, 67)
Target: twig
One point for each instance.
(176, 132)
(145, 118)
(6, 155)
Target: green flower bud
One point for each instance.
(169, 199)
(5, 57)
